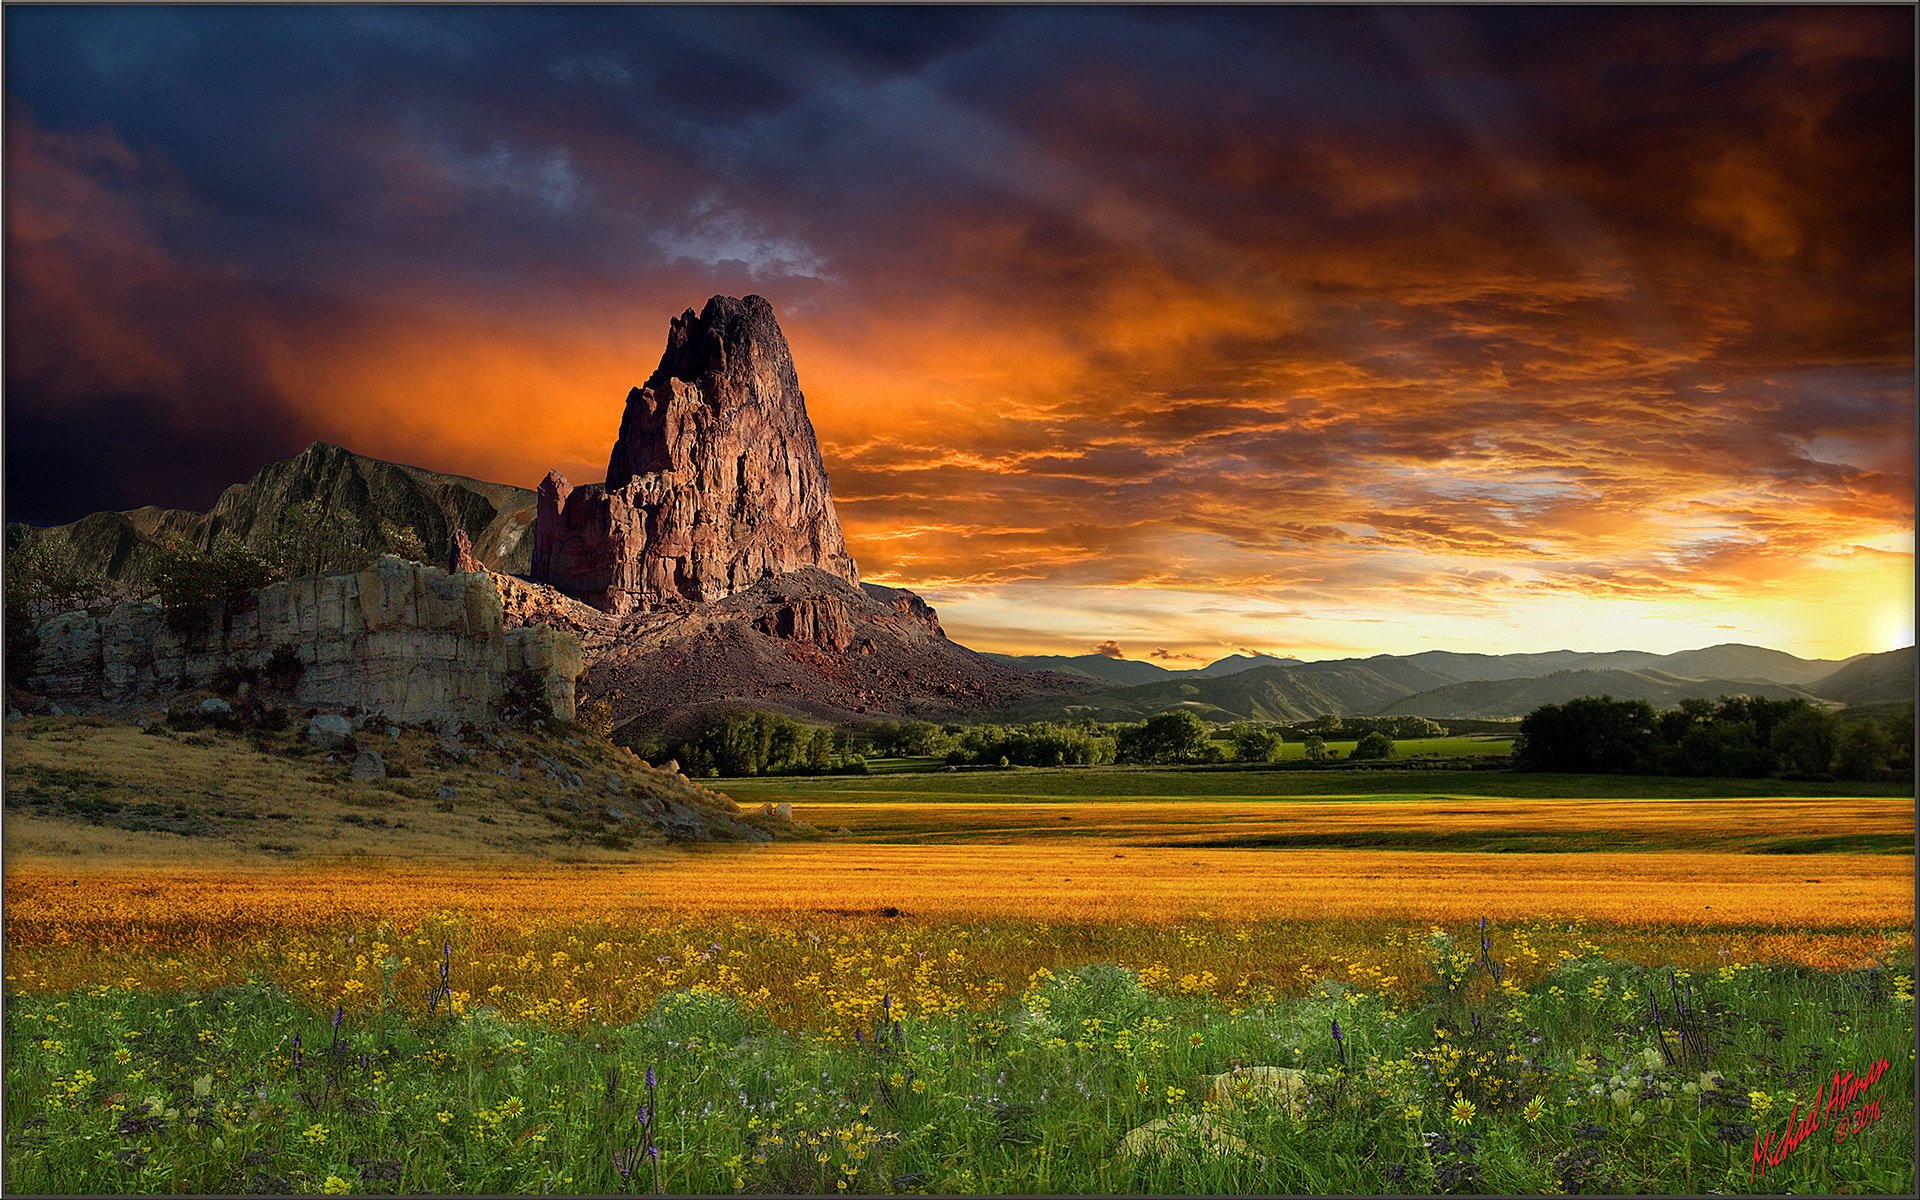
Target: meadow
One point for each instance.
(1197, 980)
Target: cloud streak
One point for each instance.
(1491, 329)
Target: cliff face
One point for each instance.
(406, 641)
(714, 484)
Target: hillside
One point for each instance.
(1518, 697)
(83, 786)
(1871, 679)
(1284, 693)
(495, 516)
(1125, 672)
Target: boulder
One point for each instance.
(1284, 1088)
(329, 731)
(367, 767)
(444, 792)
(213, 708)
(1183, 1134)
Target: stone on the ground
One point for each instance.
(214, 706)
(368, 766)
(1182, 1133)
(329, 731)
(444, 792)
(1275, 1087)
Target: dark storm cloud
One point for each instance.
(1396, 299)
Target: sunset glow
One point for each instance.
(1305, 332)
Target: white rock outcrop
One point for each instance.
(407, 641)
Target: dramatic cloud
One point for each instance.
(1323, 331)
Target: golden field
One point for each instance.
(817, 934)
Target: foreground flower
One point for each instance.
(1462, 1111)
(1534, 1108)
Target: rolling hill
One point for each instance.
(1285, 693)
(1871, 679)
(1126, 672)
(1518, 697)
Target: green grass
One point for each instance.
(111, 1091)
(1476, 746)
(1083, 783)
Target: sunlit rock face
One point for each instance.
(715, 483)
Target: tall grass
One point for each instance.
(1467, 1080)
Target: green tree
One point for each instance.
(1317, 748)
(312, 539)
(1372, 744)
(1864, 751)
(193, 583)
(43, 577)
(1594, 734)
(1170, 737)
(1806, 741)
(1255, 744)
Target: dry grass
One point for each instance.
(98, 791)
(1762, 823)
(1069, 882)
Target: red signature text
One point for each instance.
(1837, 1105)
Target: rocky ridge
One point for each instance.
(495, 517)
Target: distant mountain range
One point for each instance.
(1108, 669)
(1444, 684)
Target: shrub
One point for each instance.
(44, 577)
(192, 583)
(1372, 744)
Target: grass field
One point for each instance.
(1074, 960)
(1236, 782)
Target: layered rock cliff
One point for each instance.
(406, 641)
(714, 484)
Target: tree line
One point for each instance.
(1740, 737)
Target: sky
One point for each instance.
(1167, 333)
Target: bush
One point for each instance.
(193, 583)
(1372, 744)
(596, 717)
(44, 577)
(1255, 744)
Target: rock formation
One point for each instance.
(494, 516)
(460, 559)
(714, 484)
(709, 568)
(804, 643)
(406, 641)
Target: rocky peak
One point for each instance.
(715, 481)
